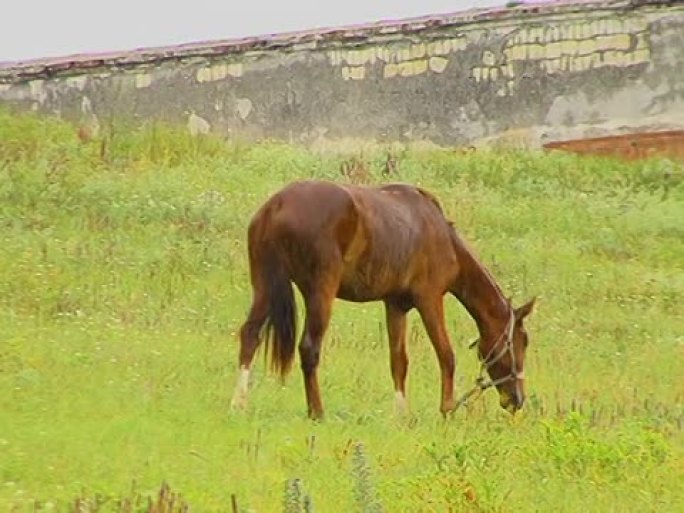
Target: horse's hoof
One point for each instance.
(448, 411)
(238, 404)
(316, 416)
(401, 409)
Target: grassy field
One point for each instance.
(123, 282)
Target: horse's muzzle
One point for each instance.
(511, 402)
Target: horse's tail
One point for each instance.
(281, 323)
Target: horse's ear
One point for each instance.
(525, 310)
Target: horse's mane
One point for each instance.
(457, 240)
(433, 199)
(459, 245)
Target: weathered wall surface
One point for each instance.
(528, 75)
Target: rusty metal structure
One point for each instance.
(634, 146)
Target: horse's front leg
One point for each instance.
(432, 313)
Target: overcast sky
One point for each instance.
(48, 28)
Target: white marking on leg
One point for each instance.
(241, 389)
(400, 403)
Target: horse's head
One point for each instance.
(504, 359)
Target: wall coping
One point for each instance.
(45, 68)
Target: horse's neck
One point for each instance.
(476, 289)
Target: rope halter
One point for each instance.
(505, 346)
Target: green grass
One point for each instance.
(123, 282)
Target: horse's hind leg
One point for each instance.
(396, 329)
(432, 312)
(249, 342)
(318, 301)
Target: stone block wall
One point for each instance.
(526, 75)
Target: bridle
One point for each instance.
(505, 345)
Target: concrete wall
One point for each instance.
(526, 75)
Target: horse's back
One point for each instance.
(406, 237)
(381, 238)
(301, 199)
(312, 214)
(402, 214)
(315, 206)
(398, 217)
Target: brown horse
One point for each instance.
(389, 243)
